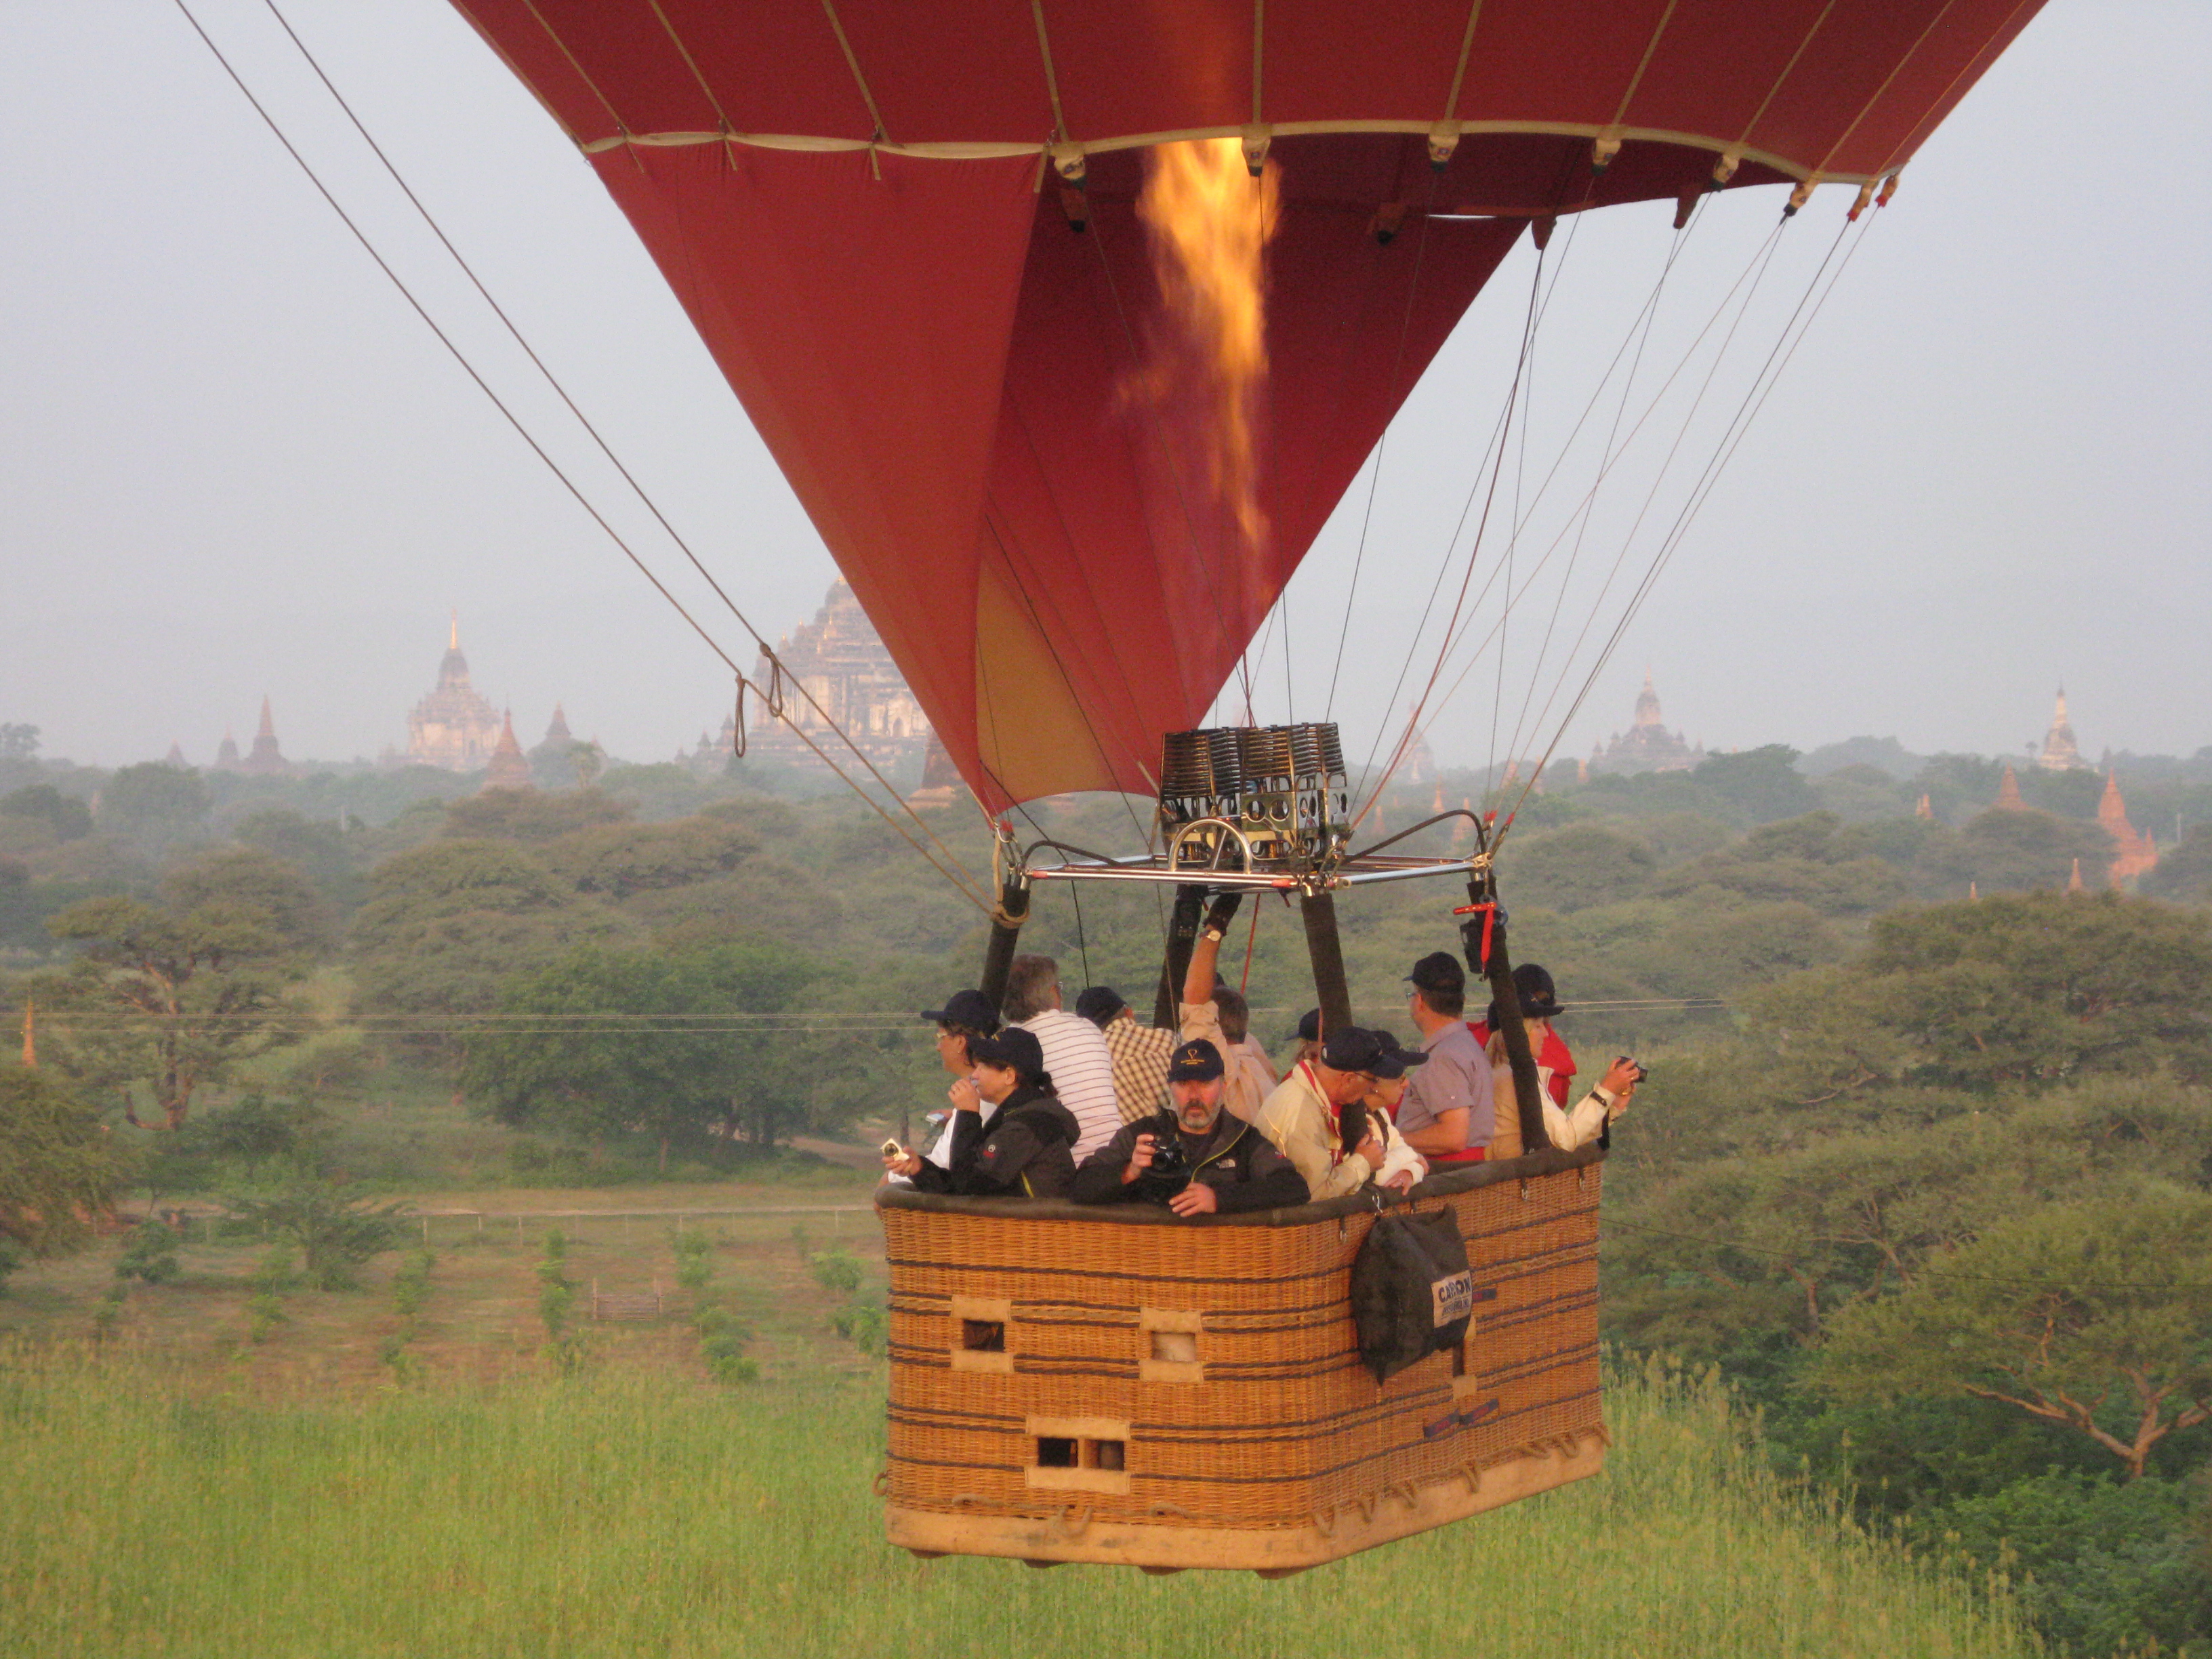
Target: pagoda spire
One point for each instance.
(2008, 799)
(268, 722)
(453, 632)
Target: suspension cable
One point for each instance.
(1763, 384)
(1753, 272)
(651, 506)
(956, 876)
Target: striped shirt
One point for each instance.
(1082, 1074)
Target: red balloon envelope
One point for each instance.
(859, 204)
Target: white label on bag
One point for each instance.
(1451, 1298)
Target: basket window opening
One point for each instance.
(1080, 1452)
(1178, 1347)
(983, 1335)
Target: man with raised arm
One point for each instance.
(1196, 1159)
(1317, 1118)
(1223, 1018)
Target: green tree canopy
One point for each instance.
(2092, 1315)
(66, 816)
(60, 1167)
(174, 994)
(447, 922)
(2030, 989)
(2184, 870)
(1756, 786)
(154, 805)
(531, 816)
(1583, 865)
(666, 1045)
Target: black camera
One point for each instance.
(1169, 1170)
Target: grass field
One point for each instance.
(480, 1323)
(152, 1510)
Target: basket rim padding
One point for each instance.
(1465, 1178)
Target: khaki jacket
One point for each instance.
(1577, 1126)
(1301, 1125)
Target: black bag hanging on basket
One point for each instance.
(1411, 1291)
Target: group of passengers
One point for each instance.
(1093, 1107)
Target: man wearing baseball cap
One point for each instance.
(1195, 1158)
(1448, 1110)
(1023, 1152)
(1317, 1118)
(965, 1016)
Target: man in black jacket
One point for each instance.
(1025, 1153)
(1196, 1159)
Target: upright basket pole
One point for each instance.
(1012, 911)
(1331, 989)
(1488, 927)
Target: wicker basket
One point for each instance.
(1115, 1384)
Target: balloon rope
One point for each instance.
(958, 877)
(1474, 552)
(1762, 386)
(1752, 272)
(759, 640)
(1639, 332)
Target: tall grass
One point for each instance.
(630, 1516)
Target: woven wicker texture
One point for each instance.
(1283, 1426)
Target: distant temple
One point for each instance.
(455, 727)
(2009, 798)
(941, 783)
(2132, 853)
(846, 670)
(265, 760)
(2059, 754)
(507, 767)
(1648, 745)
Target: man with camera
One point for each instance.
(1195, 1158)
(1318, 1119)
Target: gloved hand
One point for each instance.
(1224, 910)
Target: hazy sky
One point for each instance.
(232, 461)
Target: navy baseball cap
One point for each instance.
(1439, 970)
(1017, 1050)
(1100, 1003)
(1393, 1060)
(1196, 1061)
(1353, 1048)
(970, 1009)
(1309, 1026)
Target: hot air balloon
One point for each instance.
(930, 247)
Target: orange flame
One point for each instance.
(1210, 221)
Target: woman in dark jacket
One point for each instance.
(1027, 1150)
